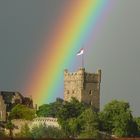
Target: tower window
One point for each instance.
(67, 91)
(90, 102)
(90, 92)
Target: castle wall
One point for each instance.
(19, 123)
(48, 121)
(2, 109)
(73, 85)
(91, 94)
(9, 99)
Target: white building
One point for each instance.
(48, 121)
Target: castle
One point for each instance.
(9, 99)
(83, 86)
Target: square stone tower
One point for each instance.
(84, 86)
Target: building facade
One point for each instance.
(9, 99)
(2, 109)
(83, 86)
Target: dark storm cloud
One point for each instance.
(23, 25)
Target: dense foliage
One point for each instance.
(50, 110)
(137, 121)
(41, 131)
(22, 112)
(116, 118)
(89, 123)
(75, 118)
(47, 132)
(68, 117)
(24, 132)
(78, 120)
(10, 127)
(2, 133)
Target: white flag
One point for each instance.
(80, 52)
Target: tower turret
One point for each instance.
(84, 86)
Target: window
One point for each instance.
(90, 102)
(67, 91)
(72, 91)
(90, 92)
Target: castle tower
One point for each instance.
(84, 86)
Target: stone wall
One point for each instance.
(73, 84)
(10, 99)
(19, 123)
(48, 121)
(2, 109)
(84, 86)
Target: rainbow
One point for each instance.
(71, 31)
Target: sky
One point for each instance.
(115, 49)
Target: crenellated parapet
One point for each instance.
(45, 119)
(93, 77)
(48, 121)
(72, 76)
(82, 75)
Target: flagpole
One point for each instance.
(83, 60)
(83, 57)
(81, 52)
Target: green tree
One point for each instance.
(43, 131)
(50, 110)
(22, 112)
(44, 111)
(71, 109)
(137, 120)
(89, 124)
(116, 118)
(74, 127)
(2, 133)
(38, 132)
(10, 127)
(67, 116)
(25, 131)
(54, 132)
